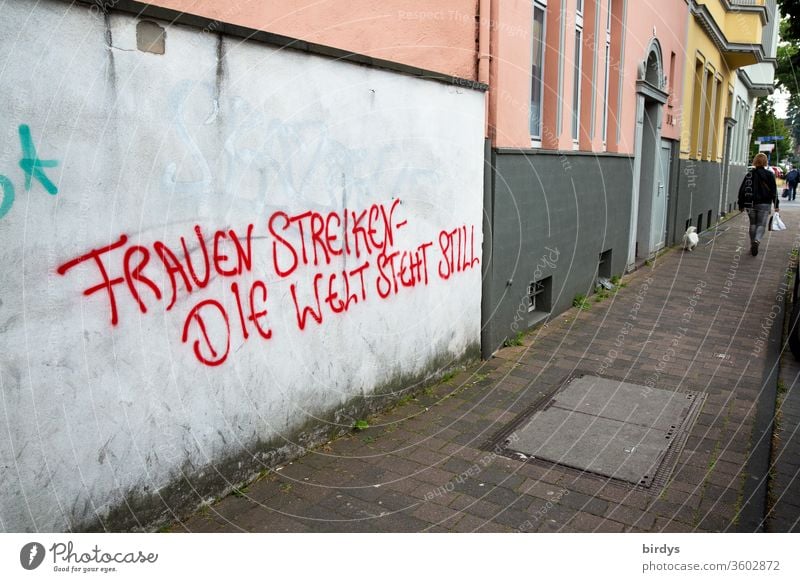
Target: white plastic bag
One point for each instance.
(777, 223)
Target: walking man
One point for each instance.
(792, 178)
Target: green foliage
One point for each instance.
(790, 25)
(514, 341)
(447, 378)
(361, 425)
(581, 302)
(767, 123)
(406, 399)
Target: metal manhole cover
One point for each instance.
(611, 428)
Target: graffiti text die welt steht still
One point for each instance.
(362, 240)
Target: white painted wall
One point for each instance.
(150, 146)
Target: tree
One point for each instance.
(767, 124)
(791, 15)
(787, 70)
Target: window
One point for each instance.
(604, 265)
(537, 77)
(697, 110)
(535, 289)
(608, 72)
(705, 132)
(539, 300)
(578, 58)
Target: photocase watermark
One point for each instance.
(67, 559)
(542, 511)
(467, 18)
(468, 83)
(768, 321)
(627, 326)
(669, 354)
(31, 555)
(548, 260)
(100, 8)
(473, 471)
(730, 276)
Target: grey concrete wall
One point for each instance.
(697, 193)
(231, 333)
(736, 174)
(551, 214)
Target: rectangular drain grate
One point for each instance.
(608, 428)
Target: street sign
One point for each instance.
(766, 147)
(769, 138)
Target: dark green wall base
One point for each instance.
(145, 509)
(549, 214)
(697, 195)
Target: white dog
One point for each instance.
(690, 238)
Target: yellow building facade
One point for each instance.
(722, 36)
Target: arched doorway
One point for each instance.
(651, 161)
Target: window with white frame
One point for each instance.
(576, 86)
(537, 69)
(608, 72)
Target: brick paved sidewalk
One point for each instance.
(424, 465)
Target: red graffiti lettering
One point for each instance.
(282, 272)
(313, 238)
(219, 257)
(107, 284)
(307, 239)
(457, 254)
(200, 283)
(216, 357)
(406, 269)
(173, 266)
(338, 305)
(303, 314)
(135, 274)
(387, 280)
(255, 316)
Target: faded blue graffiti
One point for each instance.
(8, 195)
(33, 168)
(32, 165)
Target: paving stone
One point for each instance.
(468, 524)
(410, 451)
(202, 524)
(477, 507)
(633, 517)
(584, 503)
(436, 514)
(666, 525)
(586, 522)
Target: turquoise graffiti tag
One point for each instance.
(8, 195)
(33, 168)
(32, 165)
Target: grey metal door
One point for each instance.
(658, 223)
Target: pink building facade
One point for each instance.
(584, 121)
(436, 36)
(535, 40)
